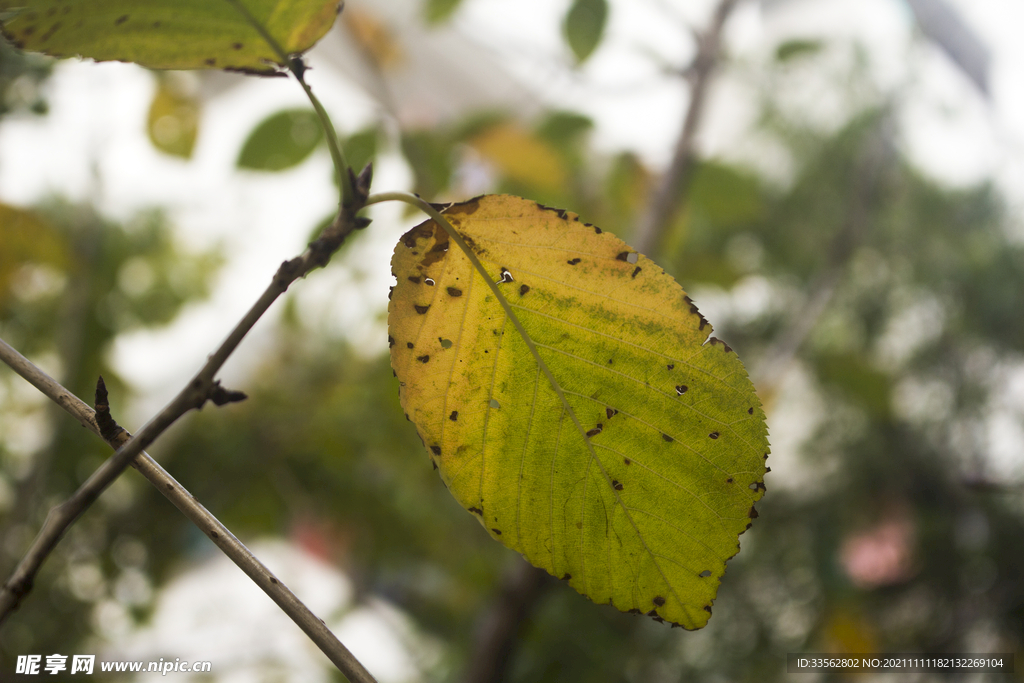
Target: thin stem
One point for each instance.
(671, 191)
(200, 389)
(191, 508)
(296, 66)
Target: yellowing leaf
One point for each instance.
(25, 237)
(521, 156)
(173, 120)
(377, 41)
(168, 34)
(611, 441)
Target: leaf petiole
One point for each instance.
(298, 68)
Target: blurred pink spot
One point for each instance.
(881, 555)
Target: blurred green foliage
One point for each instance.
(281, 141)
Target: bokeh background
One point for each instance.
(845, 205)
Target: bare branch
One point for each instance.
(129, 449)
(102, 424)
(521, 587)
(871, 163)
(671, 191)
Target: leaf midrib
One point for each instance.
(457, 238)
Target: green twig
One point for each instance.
(298, 69)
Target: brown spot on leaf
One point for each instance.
(627, 461)
(729, 480)
(750, 410)
(210, 62)
(707, 608)
(505, 276)
(566, 576)
(653, 613)
(716, 340)
(671, 366)
(610, 412)
(409, 345)
(616, 485)
(391, 341)
(121, 19)
(237, 46)
(713, 435)
(423, 359)
(596, 430)
(454, 416)
(439, 249)
(524, 289)
(658, 600)
(421, 309)
(622, 255)
(681, 389)
(636, 271)
(574, 261)
(452, 291)
(497, 531)
(667, 438)
(597, 230)
(476, 511)
(414, 279)
(436, 450)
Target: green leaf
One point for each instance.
(600, 431)
(281, 141)
(800, 47)
(169, 34)
(584, 26)
(361, 147)
(437, 11)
